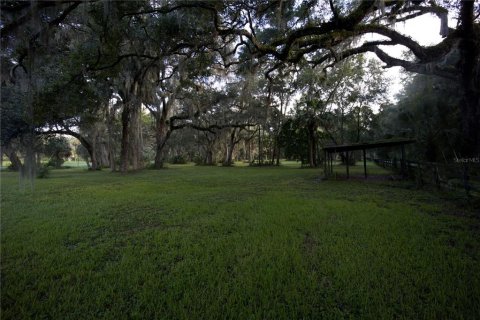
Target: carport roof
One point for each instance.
(368, 145)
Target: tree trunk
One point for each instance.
(470, 67)
(341, 124)
(162, 133)
(260, 147)
(16, 163)
(229, 158)
(110, 115)
(230, 147)
(136, 140)
(358, 124)
(103, 155)
(125, 143)
(277, 150)
(312, 146)
(158, 163)
(272, 158)
(38, 159)
(93, 154)
(131, 144)
(209, 157)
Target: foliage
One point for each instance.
(58, 149)
(12, 115)
(427, 110)
(89, 67)
(294, 140)
(336, 107)
(82, 152)
(43, 171)
(178, 159)
(77, 57)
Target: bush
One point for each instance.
(12, 167)
(55, 162)
(201, 162)
(43, 172)
(178, 159)
(198, 160)
(58, 149)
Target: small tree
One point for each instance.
(294, 139)
(58, 149)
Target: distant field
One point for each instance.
(234, 243)
(73, 164)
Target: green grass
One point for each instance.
(233, 243)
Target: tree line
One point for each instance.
(137, 82)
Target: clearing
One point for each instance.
(242, 242)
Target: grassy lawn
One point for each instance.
(234, 243)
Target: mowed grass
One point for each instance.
(233, 243)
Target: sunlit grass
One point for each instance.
(242, 242)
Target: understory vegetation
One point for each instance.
(241, 242)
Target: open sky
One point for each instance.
(425, 30)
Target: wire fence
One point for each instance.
(461, 175)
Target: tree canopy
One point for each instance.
(226, 68)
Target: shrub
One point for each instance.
(178, 159)
(55, 162)
(43, 172)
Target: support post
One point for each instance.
(328, 165)
(331, 163)
(365, 163)
(402, 164)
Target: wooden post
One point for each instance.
(402, 164)
(348, 168)
(365, 163)
(328, 165)
(331, 163)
